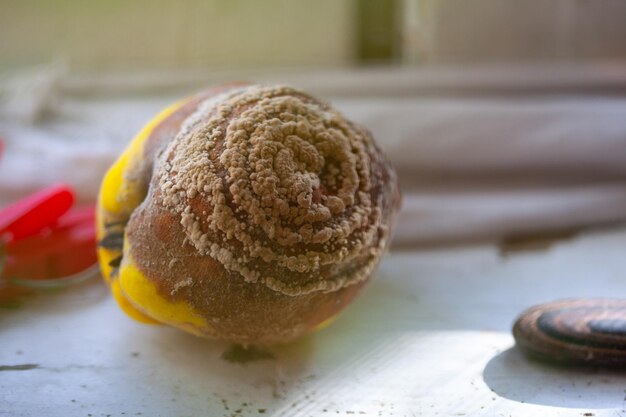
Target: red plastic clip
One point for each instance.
(45, 243)
(35, 213)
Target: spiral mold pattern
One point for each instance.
(280, 188)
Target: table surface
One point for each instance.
(430, 336)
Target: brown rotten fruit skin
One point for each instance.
(246, 213)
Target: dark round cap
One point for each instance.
(586, 331)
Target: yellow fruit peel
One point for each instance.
(127, 307)
(140, 291)
(119, 195)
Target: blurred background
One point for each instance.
(233, 34)
(503, 118)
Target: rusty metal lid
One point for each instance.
(587, 331)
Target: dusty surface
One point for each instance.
(430, 335)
